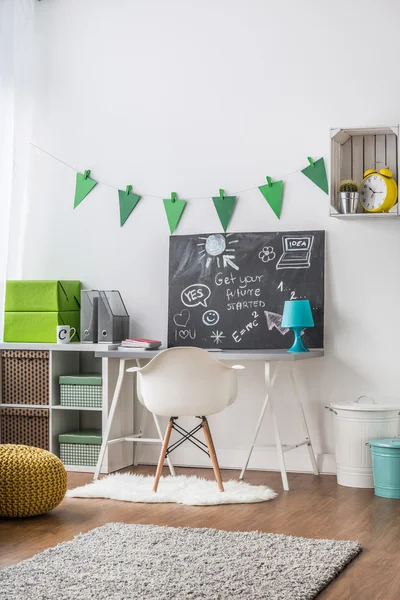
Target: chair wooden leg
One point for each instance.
(213, 456)
(162, 455)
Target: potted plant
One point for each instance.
(348, 196)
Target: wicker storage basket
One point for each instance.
(82, 391)
(80, 448)
(25, 377)
(26, 426)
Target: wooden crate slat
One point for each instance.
(369, 152)
(334, 171)
(345, 167)
(391, 154)
(368, 130)
(340, 136)
(357, 154)
(380, 151)
(337, 164)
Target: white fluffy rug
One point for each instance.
(180, 489)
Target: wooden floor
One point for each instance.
(314, 507)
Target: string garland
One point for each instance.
(160, 197)
(224, 205)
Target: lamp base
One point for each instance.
(298, 345)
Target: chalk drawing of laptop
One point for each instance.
(296, 252)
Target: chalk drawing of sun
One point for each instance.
(216, 247)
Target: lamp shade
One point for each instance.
(297, 313)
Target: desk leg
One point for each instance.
(278, 444)
(268, 384)
(143, 420)
(295, 380)
(138, 447)
(142, 427)
(114, 403)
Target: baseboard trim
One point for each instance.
(297, 461)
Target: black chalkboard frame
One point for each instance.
(203, 282)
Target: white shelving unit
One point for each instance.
(71, 359)
(353, 150)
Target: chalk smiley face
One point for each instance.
(210, 317)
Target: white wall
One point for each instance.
(193, 96)
(6, 137)
(17, 74)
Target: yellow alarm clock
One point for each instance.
(378, 191)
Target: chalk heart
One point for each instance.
(184, 333)
(182, 318)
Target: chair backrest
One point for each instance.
(186, 382)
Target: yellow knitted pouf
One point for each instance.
(32, 481)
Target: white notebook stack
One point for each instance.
(140, 344)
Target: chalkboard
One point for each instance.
(228, 290)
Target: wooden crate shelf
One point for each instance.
(353, 150)
(366, 215)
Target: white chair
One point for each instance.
(182, 382)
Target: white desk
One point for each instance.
(272, 360)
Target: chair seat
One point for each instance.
(184, 412)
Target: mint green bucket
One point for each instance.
(386, 466)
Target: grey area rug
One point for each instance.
(127, 562)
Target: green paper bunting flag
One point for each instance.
(273, 192)
(224, 206)
(317, 173)
(84, 185)
(127, 203)
(173, 209)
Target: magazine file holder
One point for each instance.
(89, 316)
(113, 323)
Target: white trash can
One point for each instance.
(354, 425)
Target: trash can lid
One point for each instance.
(390, 442)
(365, 407)
(364, 403)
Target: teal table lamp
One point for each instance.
(297, 315)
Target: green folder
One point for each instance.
(39, 327)
(42, 296)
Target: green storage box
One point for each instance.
(38, 327)
(80, 448)
(42, 296)
(85, 390)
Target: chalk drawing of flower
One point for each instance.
(266, 254)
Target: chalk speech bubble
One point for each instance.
(196, 294)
